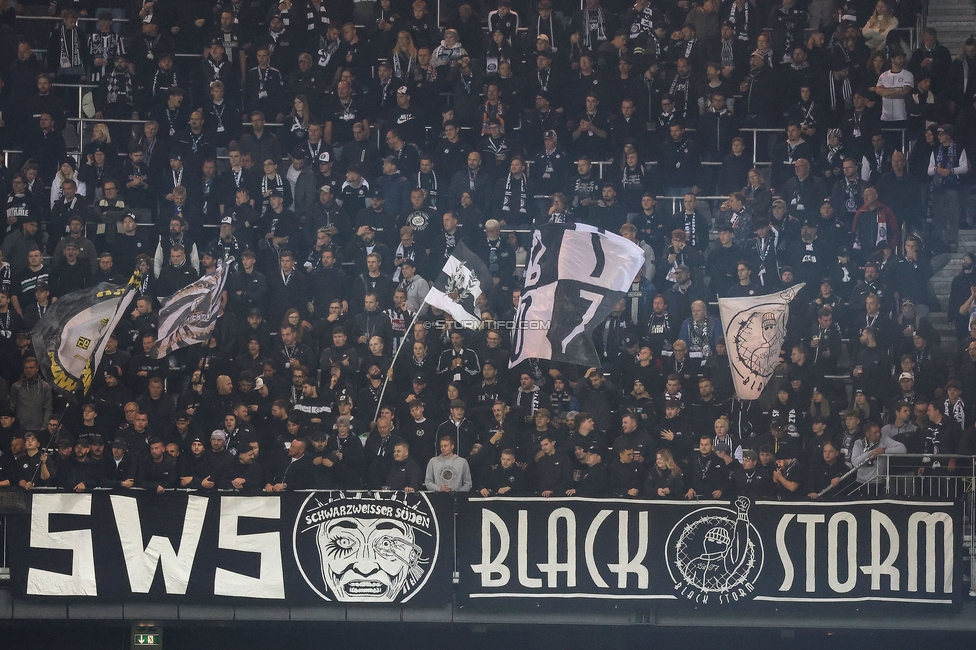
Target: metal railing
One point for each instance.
(932, 476)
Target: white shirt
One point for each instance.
(894, 110)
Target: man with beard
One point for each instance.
(474, 178)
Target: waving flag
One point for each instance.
(71, 337)
(189, 315)
(755, 327)
(575, 276)
(459, 285)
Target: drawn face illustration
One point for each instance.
(366, 559)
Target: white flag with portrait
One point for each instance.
(755, 328)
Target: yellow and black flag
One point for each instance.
(71, 337)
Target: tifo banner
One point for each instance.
(353, 547)
(575, 276)
(710, 554)
(755, 328)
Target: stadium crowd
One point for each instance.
(396, 137)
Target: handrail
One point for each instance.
(81, 19)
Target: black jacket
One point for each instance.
(595, 481)
(555, 473)
(405, 474)
(296, 474)
(150, 475)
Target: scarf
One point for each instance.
(507, 199)
(946, 158)
(119, 87)
(326, 49)
(594, 23)
(103, 46)
(763, 246)
(852, 194)
(405, 254)
(428, 183)
(699, 339)
(691, 227)
(316, 17)
(956, 411)
(728, 55)
(399, 63)
(70, 49)
(548, 30)
(682, 86)
(490, 111)
(266, 183)
(163, 81)
(215, 67)
(845, 89)
(741, 28)
(544, 85)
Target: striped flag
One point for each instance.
(71, 337)
(189, 315)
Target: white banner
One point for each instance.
(755, 328)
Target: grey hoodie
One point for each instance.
(452, 471)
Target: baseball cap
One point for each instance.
(259, 383)
(549, 134)
(751, 454)
(906, 375)
(724, 448)
(325, 157)
(119, 443)
(229, 220)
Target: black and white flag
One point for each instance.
(576, 274)
(189, 315)
(755, 328)
(458, 286)
(71, 338)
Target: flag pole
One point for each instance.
(52, 446)
(396, 353)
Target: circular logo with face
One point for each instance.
(374, 547)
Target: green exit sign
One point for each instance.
(147, 637)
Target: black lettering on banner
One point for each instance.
(525, 303)
(577, 308)
(601, 257)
